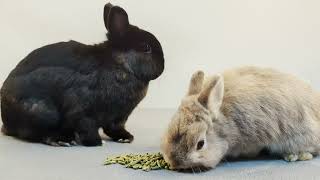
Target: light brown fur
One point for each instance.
(240, 113)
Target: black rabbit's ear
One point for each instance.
(106, 13)
(116, 20)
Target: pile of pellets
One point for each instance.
(146, 162)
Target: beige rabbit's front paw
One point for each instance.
(291, 157)
(303, 156)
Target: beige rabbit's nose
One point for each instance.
(175, 163)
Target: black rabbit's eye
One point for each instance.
(146, 48)
(200, 144)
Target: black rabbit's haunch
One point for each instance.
(65, 92)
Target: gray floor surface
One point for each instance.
(29, 161)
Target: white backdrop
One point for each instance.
(207, 34)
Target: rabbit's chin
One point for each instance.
(204, 163)
(210, 164)
(207, 163)
(195, 167)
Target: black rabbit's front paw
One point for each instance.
(56, 142)
(128, 139)
(119, 135)
(89, 139)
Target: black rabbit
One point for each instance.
(63, 93)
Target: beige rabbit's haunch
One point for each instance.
(241, 112)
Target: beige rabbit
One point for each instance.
(240, 113)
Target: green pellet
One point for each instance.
(146, 168)
(155, 168)
(158, 163)
(145, 162)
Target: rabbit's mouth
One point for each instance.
(193, 169)
(189, 167)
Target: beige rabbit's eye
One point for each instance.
(200, 144)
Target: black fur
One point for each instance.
(68, 90)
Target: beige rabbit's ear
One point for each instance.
(196, 83)
(212, 93)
